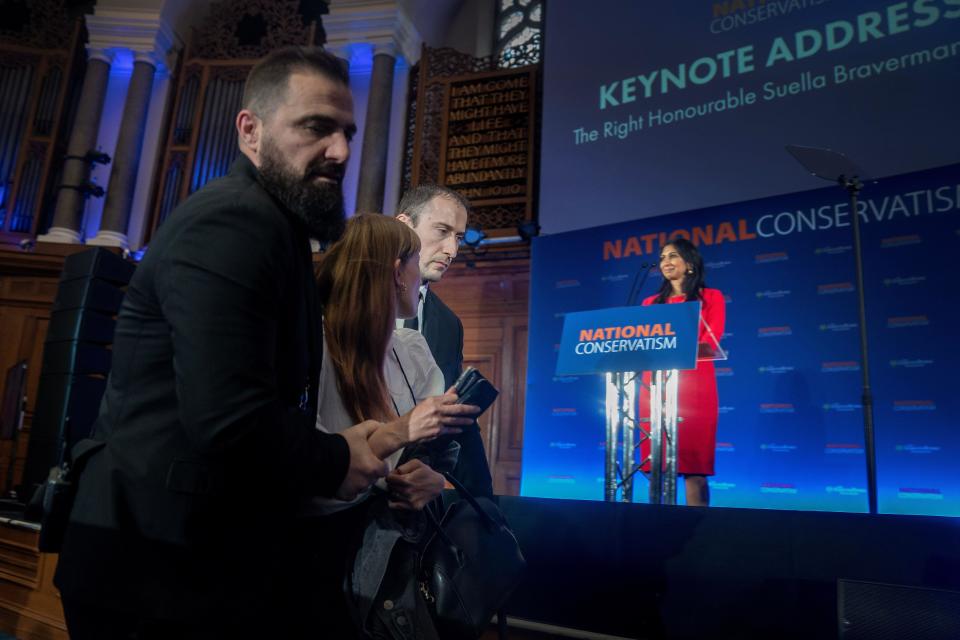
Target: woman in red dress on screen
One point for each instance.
(682, 269)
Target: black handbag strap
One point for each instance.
(432, 520)
(466, 495)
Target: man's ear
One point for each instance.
(405, 219)
(249, 129)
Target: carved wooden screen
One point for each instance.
(433, 80)
(40, 60)
(201, 140)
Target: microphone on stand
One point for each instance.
(645, 269)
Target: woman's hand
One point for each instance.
(413, 485)
(439, 416)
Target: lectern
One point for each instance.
(621, 343)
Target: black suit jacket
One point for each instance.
(443, 332)
(187, 510)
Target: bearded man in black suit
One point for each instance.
(183, 524)
(438, 215)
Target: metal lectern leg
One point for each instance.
(670, 433)
(656, 438)
(613, 421)
(629, 408)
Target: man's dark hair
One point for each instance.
(267, 82)
(414, 200)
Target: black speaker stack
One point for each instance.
(76, 358)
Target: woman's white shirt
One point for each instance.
(408, 361)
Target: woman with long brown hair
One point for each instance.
(373, 372)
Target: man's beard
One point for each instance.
(319, 205)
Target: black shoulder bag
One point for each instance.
(470, 566)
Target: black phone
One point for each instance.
(466, 378)
(472, 388)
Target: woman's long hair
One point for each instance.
(693, 283)
(358, 292)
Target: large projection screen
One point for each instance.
(654, 108)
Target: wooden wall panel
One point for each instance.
(491, 299)
(28, 286)
(29, 603)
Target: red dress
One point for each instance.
(697, 399)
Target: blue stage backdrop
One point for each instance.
(791, 427)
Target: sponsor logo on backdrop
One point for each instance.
(563, 445)
(717, 264)
(834, 287)
(726, 447)
(914, 405)
(656, 336)
(777, 487)
(774, 256)
(770, 332)
(842, 448)
(723, 372)
(839, 365)
(727, 299)
(773, 294)
(917, 449)
(900, 322)
(778, 448)
(910, 364)
(562, 479)
(904, 281)
(842, 407)
(566, 379)
(618, 277)
(900, 241)
(832, 251)
(838, 327)
(776, 369)
(841, 490)
(777, 407)
(919, 493)
(563, 412)
(725, 409)
(722, 486)
(567, 284)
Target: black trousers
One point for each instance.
(309, 604)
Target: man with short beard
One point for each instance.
(206, 446)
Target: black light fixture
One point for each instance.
(92, 157)
(97, 157)
(87, 189)
(528, 230)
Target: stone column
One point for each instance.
(126, 157)
(68, 214)
(376, 131)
